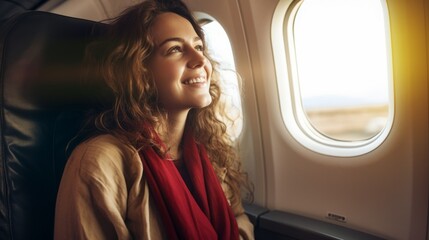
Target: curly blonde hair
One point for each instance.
(122, 64)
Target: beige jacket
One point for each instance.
(103, 195)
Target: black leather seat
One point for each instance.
(42, 101)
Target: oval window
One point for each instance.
(219, 48)
(342, 65)
(333, 65)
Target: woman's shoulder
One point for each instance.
(103, 167)
(105, 144)
(105, 153)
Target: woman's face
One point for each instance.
(181, 71)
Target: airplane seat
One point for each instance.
(43, 98)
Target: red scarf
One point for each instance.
(203, 213)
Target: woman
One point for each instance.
(160, 164)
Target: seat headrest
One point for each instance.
(42, 57)
(43, 93)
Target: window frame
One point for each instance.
(293, 114)
(205, 18)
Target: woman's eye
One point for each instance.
(199, 48)
(174, 49)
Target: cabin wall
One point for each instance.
(384, 192)
(411, 79)
(426, 7)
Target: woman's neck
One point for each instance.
(173, 133)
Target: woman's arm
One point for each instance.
(245, 227)
(92, 198)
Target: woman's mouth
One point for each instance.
(197, 80)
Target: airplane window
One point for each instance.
(341, 57)
(219, 48)
(339, 70)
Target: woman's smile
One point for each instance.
(195, 81)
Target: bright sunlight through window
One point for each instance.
(342, 64)
(219, 48)
(333, 66)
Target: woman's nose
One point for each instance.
(197, 59)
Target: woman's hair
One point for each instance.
(121, 61)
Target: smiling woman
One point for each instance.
(159, 161)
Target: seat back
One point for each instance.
(42, 101)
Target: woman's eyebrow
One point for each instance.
(178, 39)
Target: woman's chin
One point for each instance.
(203, 103)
